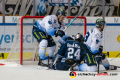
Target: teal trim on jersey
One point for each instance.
(39, 26)
(64, 37)
(93, 52)
(50, 31)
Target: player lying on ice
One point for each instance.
(69, 53)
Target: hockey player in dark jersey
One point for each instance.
(70, 53)
(73, 52)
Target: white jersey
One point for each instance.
(93, 40)
(49, 24)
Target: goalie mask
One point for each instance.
(79, 37)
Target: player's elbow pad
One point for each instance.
(50, 31)
(94, 50)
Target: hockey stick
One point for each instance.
(72, 66)
(77, 15)
(115, 57)
(116, 66)
(57, 56)
(98, 66)
(111, 65)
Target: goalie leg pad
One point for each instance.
(85, 68)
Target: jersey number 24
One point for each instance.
(73, 54)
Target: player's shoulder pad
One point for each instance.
(52, 19)
(97, 33)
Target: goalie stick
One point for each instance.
(72, 66)
(77, 15)
(57, 56)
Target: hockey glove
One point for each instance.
(98, 58)
(59, 33)
(100, 51)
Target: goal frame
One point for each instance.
(21, 31)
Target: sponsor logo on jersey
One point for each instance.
(49, 22)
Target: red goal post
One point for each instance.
(24, 17)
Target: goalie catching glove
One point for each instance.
(59, 33)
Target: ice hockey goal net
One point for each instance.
(25, 47)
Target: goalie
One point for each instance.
(43, 30)
(69, 53)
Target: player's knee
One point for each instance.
(105, 62)
(85, 68)
(43, 44)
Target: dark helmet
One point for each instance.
(100, 22)
(61, 12)
(79, 37)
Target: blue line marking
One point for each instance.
(73, 24)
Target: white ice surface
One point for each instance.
(30, 72)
